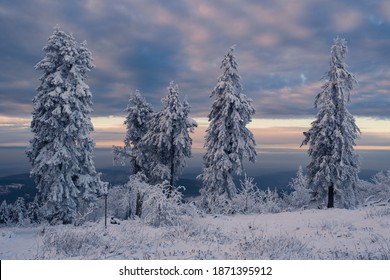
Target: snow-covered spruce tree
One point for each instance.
(167, 142)
(33, 211)
(4, 213)
(334, 166)
(61, 149)
(139, 113)
(227, 140)
(18, 211)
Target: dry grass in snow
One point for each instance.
(308, 234)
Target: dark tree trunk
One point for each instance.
(136, 167)
(172, 172)
(331, 196)
(138, 208)
(172, 167)
(105, 211)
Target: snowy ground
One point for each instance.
(308, 234)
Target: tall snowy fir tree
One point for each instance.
(228, 141)
(61, 151)
(139, 113)
(334, 166)
(168, 141)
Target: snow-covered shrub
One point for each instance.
(163, 206)
(383, 252)
(252, 200)
(217, 205)
(300, 196)
(376, 192)
(381, 181)
(381, 211)
(118, 202)
(248, 198)
(156, 205)
(125, 201)
(270, 201)
(365, 192)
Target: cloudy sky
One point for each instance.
(282, 48)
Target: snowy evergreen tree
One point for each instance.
(4, 213)
(167, 142)
(228, 141)
(139, 113)
(18, 211)
(301, 194)
(61, 151)
(333, 170)
(33, 211)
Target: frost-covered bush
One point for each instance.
(373, 212)
(163, 206)
(270, 201)
(300, 197)
(252, 200)
(126, 201)
(217, 205)
(248, 197)
(117, 202)
(157, 205)
(375, 192)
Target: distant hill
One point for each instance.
(13, 186)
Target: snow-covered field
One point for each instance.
(307, 234)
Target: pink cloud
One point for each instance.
(267, 40)
(347, 20)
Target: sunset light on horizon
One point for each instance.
(282, 48)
